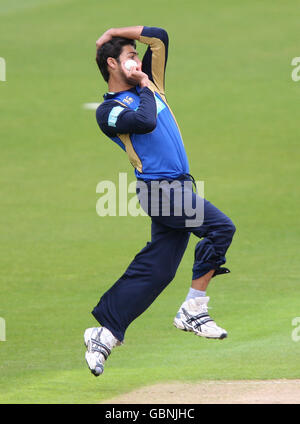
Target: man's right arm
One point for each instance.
(155, 58)
(114, 118)
(133, 33)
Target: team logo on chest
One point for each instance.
(128, 100)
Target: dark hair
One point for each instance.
(112, 48)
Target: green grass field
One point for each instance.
(237, 107)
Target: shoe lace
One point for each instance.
(201, 318)
(97, 346)
(203, 308)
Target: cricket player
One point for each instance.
(136, 116)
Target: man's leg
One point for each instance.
(217, 231)
(152, 269)
(201, 283)
(148, 274)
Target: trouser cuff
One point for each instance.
(201, 269)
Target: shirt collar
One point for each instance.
(111, 95)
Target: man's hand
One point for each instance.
(136, 76)
(107, 36)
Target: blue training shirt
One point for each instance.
(140, 121)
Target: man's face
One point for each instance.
(128, 52)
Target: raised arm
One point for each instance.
(133, 33)
(156, 56)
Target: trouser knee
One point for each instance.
(224, 232)
(230, 228)
(163, 275)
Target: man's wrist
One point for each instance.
(132, 33)
(112, 32)
(145, 83)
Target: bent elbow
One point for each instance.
(145, 125)
(150, 125)
(162, 35)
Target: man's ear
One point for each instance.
(111, 62)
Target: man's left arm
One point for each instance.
(156, 56)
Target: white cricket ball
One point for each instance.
(129, 64)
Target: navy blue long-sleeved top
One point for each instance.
(140, 121)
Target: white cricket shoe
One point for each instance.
(99, 342)
(193, 316)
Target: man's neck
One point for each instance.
(116, 86)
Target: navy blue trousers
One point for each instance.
(155, 266)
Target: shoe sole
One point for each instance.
(179, 325)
